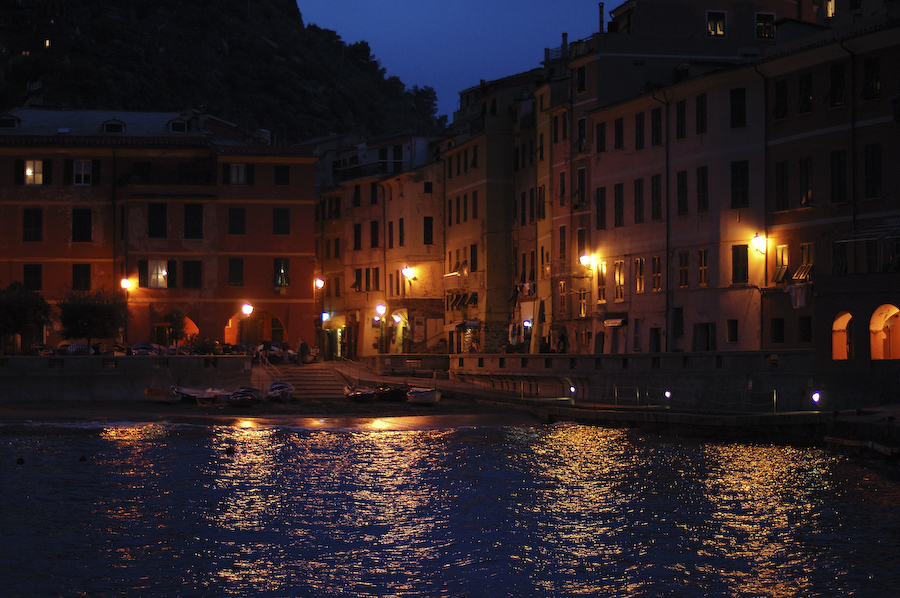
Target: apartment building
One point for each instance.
(381, 248)
(182, 210)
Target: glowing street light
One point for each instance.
(759, 244)
(126, 284)
(247, 309)
(319, 283)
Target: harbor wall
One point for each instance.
(108, 378)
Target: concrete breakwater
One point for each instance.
(114, 378)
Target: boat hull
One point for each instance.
(423, 396)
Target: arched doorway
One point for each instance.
(162, 333)
(840, 337)
(253, 329)
(884, 335)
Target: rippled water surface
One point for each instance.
(381, 510)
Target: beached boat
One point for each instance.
(391, 392)
(204, 397)
(162, 395)
(280, 392)
(359, 394)
(244, 396)
(423, 396)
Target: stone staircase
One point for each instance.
(315, 380)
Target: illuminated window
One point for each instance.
(715, 24)
(601, 282)
(703, 267)
(683, 273)
(34, 172)
(656, 274)
(765, 26)
(619, 269)
(639, 275)
(282, 272)
(158, 274)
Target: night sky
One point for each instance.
(452, 46)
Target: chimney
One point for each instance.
(602, 17)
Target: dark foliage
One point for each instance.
(253, 63)
(92, 314)
(21, 311)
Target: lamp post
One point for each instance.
(126, 286)
(380, 310)
(319, 321)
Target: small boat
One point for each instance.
(423, 396)
(244, 396)
(359, 394)
(281, 392)
(391, 392)
(205, 397)
(161, 395)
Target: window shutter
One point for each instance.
(95, 172)
(68, 170)
(48, 172)
(249, 174)
(20, 172)
(226, 174)
(172, 275)
(143, 277)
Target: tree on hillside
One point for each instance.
(21, 312)
(92, 314)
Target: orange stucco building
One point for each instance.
(183, 210)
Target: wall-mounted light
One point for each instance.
(409, 273)
(759, 244)
(247, 309)
(126, 284)
(319, 283)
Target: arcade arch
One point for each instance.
(841, 346)
(884, 334)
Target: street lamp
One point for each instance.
(247, 309)
(380, 310)
(126, 286)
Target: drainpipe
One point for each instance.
(762, 319)
(853, 149)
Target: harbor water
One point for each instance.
(411, 507)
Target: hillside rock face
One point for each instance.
(253, 63)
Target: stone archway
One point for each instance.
(253, 329)
(841, 346)
(884, 332)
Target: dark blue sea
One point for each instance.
(419, 508)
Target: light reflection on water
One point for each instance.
(383, 509)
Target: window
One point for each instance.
(600, 207)
(32, 225)
(81, 172)
(680, 119)
(656, 274)
(639, 275)
(700, 114)
(703, 267)
(473, 257)
(681, 192)
(192, 277)
(683, 270)
(601, 282)
(639, 131)
(738, 108)
(804, 329)
(81, 277)
(872, 157)
(731, 331)
(638, 201)
(656, 127)
(581, 184)
(562, 242)
(580, 243)
(236, 271)
(157, 273)
(157, 221)
(839, 259)
(740, 269)
(777, 330)
(81, 225)
(806, 180)
(805, 100)
(782, 197)
(390, 235)
(804, 272)
(618, 133)
(619, 269)
(282, 272)
(474, 205)
(428, 235)
(193, 221)
(581, 141)
(33, 277)
(114, 127)
(337, 248)
(562, 188)
(33, 172)
(237, 221)
(237, 174)
(871, 79)
(619, 205)
(357, 281)
(601, 137)
(281, 221)
(765, 25)
(780, 105)
(580, 84)
(715, 23)
(678, 321)
(838, 176)
(656, 197)
(837, 90)
(282, 175)
(702, 189)
(373, 189)
(740, 184)
(357, 194)
(401, 233)
(357, 236)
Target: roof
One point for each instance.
(33, 121)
